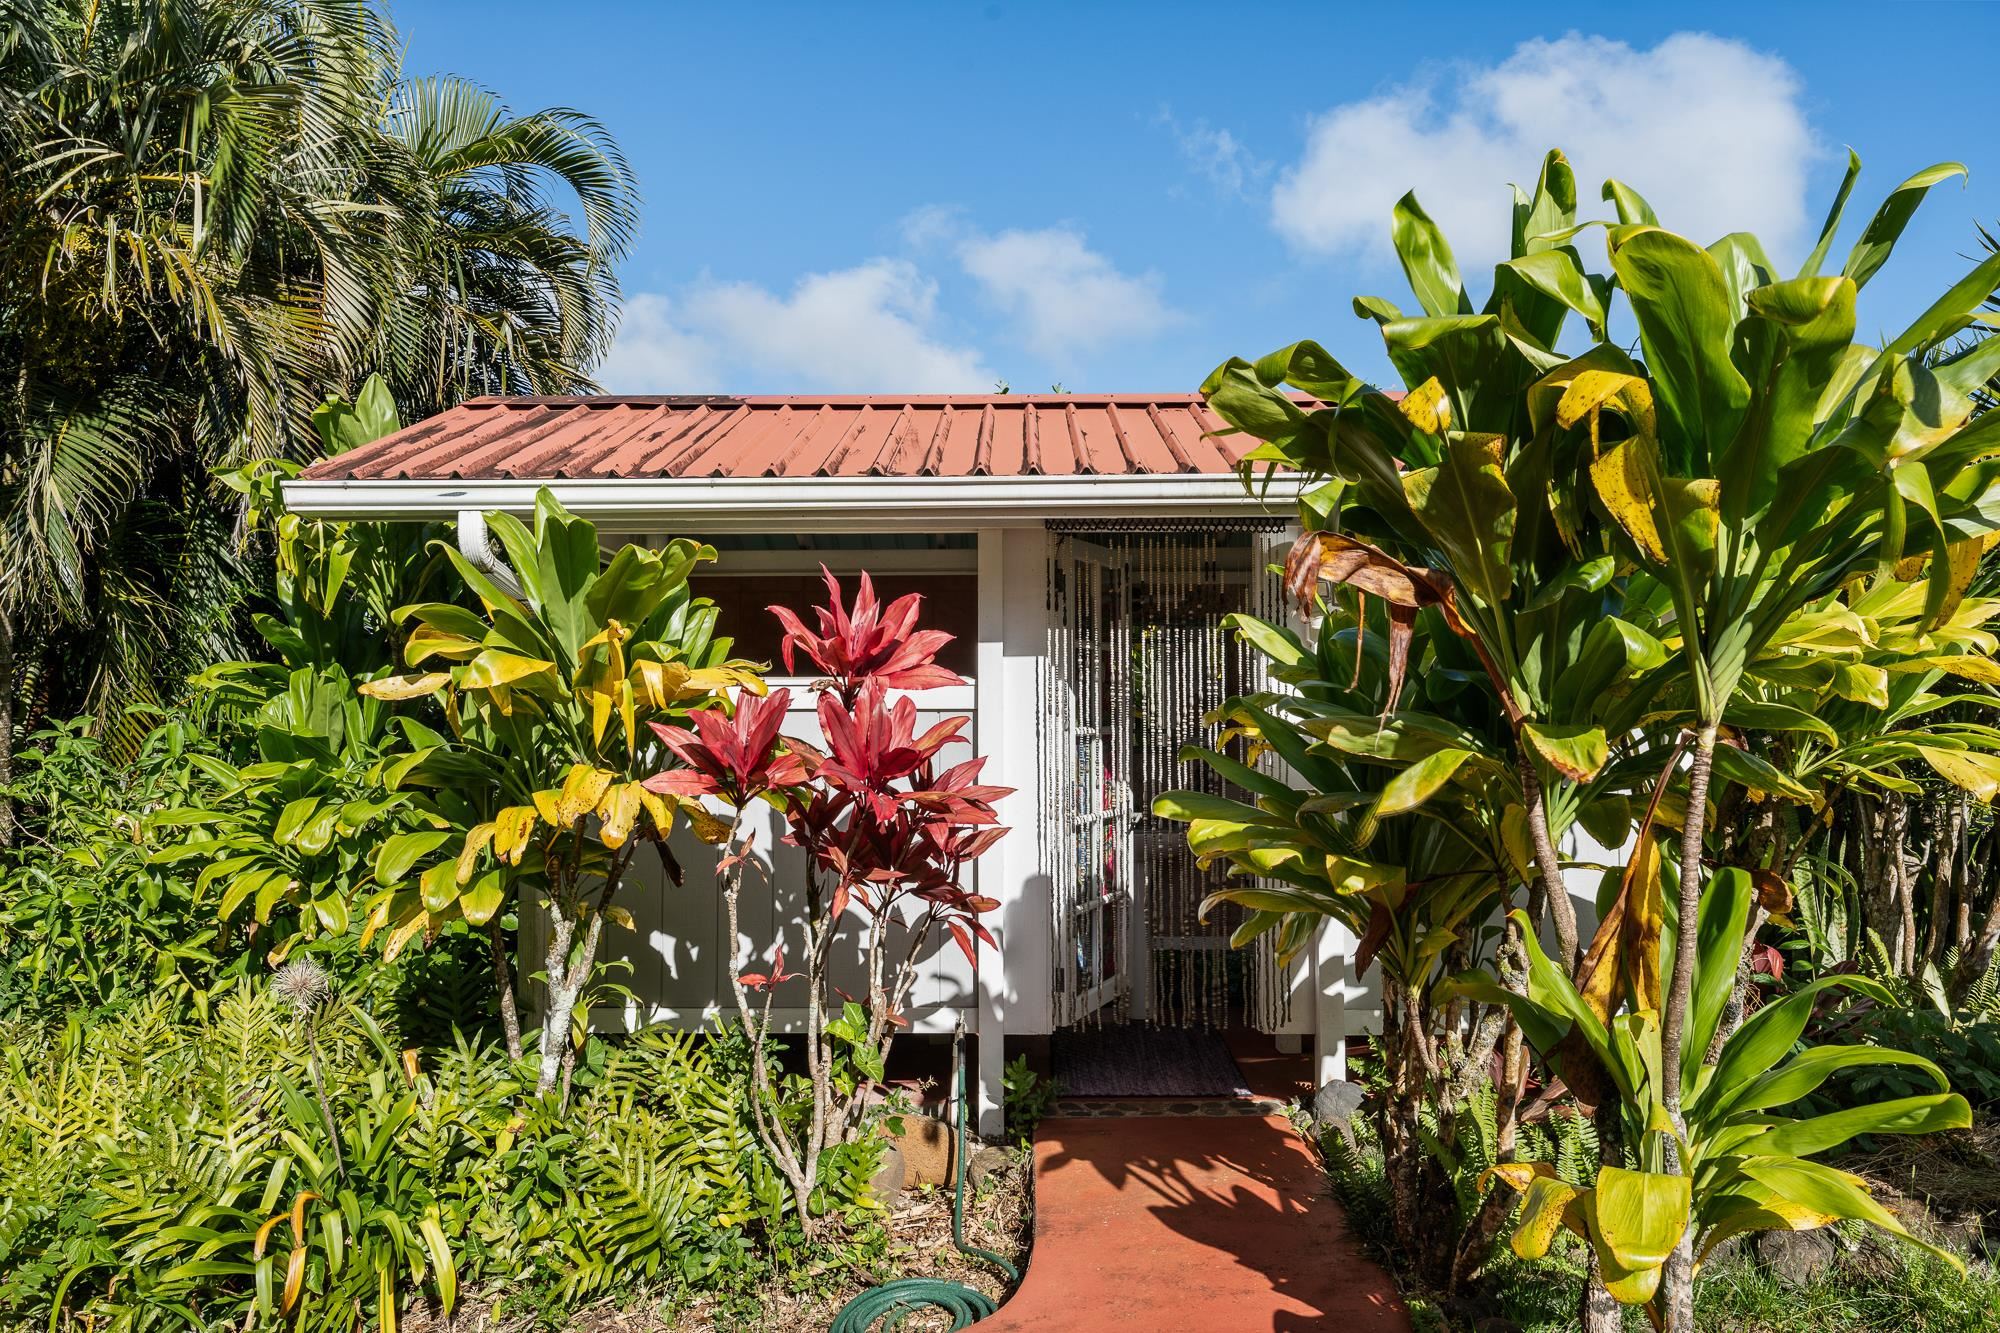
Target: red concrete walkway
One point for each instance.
(1191, 1224)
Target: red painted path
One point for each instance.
(1190, 1225)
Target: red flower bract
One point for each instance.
(869, 642)
(733, 756)
(873, 742)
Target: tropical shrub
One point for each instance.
(535, 779)
(300, 824)
(89, 919)
(1747, 471)
(1403, 826)
(1745, 1165)
(1960, 1037)
(157, 1171)
(884, 831)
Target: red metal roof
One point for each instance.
(878, 435)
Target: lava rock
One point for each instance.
(1796, 1258)
(1335, 1104)
(888, 1181)
(981, 1166)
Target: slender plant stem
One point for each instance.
(1677, 1285)
(503, 979)
(1561, 911)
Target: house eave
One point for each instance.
(822, 504)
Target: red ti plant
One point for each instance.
(887, 833)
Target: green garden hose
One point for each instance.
(884, 1308)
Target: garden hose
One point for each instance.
(884, 1308)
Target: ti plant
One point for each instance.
(1755, 460)
(887, 833)
(1743, 1165)
(536, 776)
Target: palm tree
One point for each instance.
(502, 297)
(214, 214)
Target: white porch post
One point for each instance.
(1013, 976)
(1332, 988)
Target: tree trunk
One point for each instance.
(1475, 1246)
(1852, 895)
(1597, 1311)
(503, 978)
(1561, 911)
(6, 727)
(562, 994)
(1677, 1283)
(1947, 842)
(1421, 1199)
(1883, 831)
(1973, 965)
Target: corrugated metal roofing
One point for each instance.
(885, 435)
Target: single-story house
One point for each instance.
(1084, 549)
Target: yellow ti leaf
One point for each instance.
(1636, 1219)
(581, 790)
(1426, 407)
(714, 680)
(600, 716)
(475, 842)
(415, 685)
(403, 934)
(618, 811)
(658, 808)
(706, 826)
(511, 830)
(1547, 1205)
(493, 667)
(1969, 770)
(430, 641)
(660, 682)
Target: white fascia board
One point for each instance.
(821, 504)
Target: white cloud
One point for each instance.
(654, 354)
(932, 225)
(876, 327)
(1219, 156)
(1065, 296)
(868, 328)
(1709, 130)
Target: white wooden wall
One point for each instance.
(675, 959)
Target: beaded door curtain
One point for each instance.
(1138, 656)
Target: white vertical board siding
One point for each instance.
(678, 956)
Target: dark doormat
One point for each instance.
(1133, 1060)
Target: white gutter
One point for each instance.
(821, 504)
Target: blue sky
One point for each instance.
(927, 197)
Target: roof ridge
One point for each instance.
(600, 400)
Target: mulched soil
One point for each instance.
(1945, 1187)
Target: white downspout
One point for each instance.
(478, 550)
